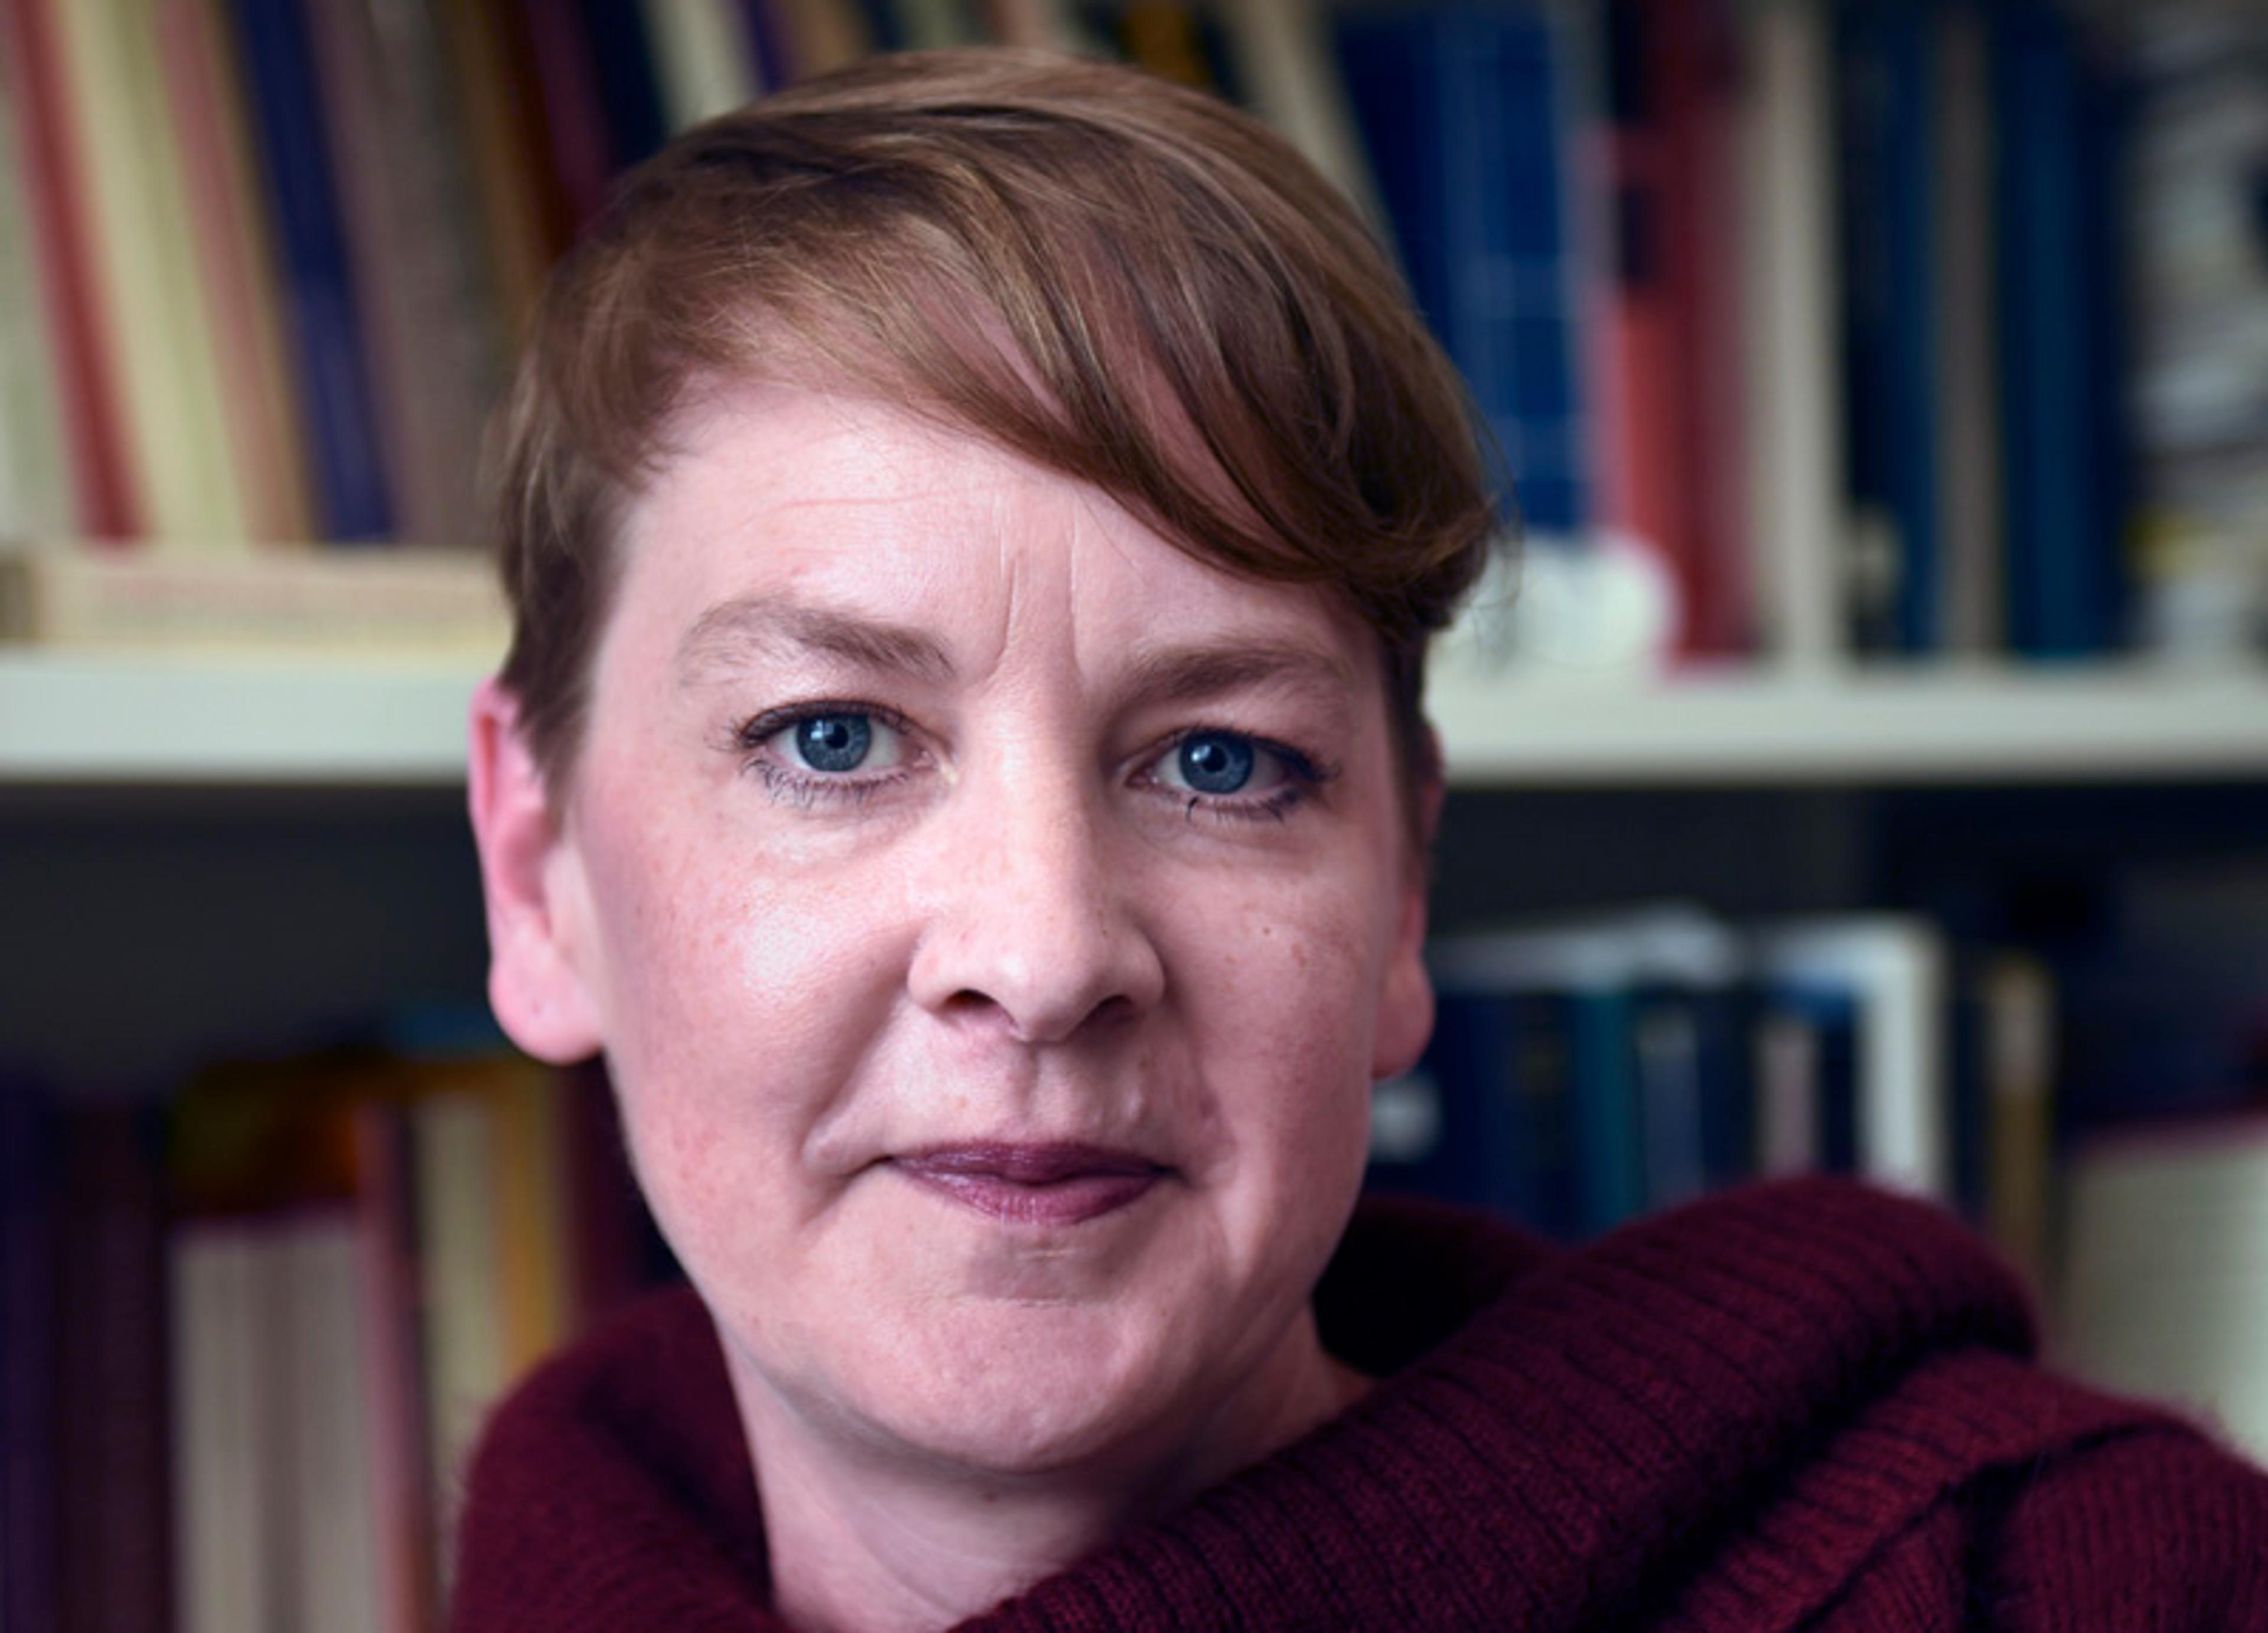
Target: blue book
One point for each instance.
(1885, 56)
(629, 95)
(1828, 1016)
(1484, 1121)
(2056, 130)
(1697, 1089)
(321, 307)
(1609, 1151)
(1462, 110)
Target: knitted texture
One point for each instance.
(1804, 1404)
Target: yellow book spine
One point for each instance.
(148, 293)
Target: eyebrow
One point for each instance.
(1190, 673)
(772, 623)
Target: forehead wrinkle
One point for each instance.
(777, 625)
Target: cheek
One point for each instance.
(1282, 996)
(737, 997)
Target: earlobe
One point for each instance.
(537, 982)
(1405, 1011)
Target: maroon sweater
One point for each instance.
(1801, 1404)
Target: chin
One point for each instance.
(1039, 1389)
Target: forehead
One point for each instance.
(784, 508)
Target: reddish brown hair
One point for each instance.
(1126, 282)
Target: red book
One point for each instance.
(573, 116)
(112, 1437)
(1670, 451)
(93, 429)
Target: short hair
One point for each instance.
(1125, 281)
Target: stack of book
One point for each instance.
(252, 1339)
(1821, 306)
(1583, 1073)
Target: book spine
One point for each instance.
(334, 1573)
(113, 1533)
(2055, 357)
(1968, 419)
(225, 1495)
(237, 253)
(36, 495)
(1788, 231)
(110, 505)
(629, 94)
(28, 1470)
(452, 1138)
(326, 324)
(702, 58)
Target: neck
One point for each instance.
(891, 1544)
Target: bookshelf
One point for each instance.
(212, 857)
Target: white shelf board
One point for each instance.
(95, 720)
(1936, 724)
(100, 720)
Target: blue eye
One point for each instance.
(834, 743)
(1214, 762)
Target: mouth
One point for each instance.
(1035, 1184)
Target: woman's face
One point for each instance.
(995, 920)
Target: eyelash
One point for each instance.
(803, 789)
(1303, 773)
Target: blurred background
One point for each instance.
(1860, 764)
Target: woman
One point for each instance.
(974, 524)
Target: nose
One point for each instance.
(1031, 923)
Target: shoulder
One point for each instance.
(2152, 1525)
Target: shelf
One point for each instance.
(1940, 724)
(96, 721)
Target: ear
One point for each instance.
(531, 881)
(1405, 1009)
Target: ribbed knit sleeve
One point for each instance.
(2142, 1532)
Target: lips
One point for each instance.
(1057, 1184)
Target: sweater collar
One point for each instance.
(1553, 1430)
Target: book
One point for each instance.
(1290, 76)
(386, 1279)
(36, 493)
(1968, 523)
(1667, 354)
(629, 95)
(1886, 100)
(453, 1141)
(112, 1428)
(145, 274)
(406, 202)
(2165, 1291)
(324, 311)
(1466, 113)
(425, 604)
(227, 1493)
(333, 1575)
(28, 1210)
(1881, 981)
(703, 59)
(1585, 1072)
(2060, 336)
(1789, 209)
(520, 205)
(234, 241)
(57, 205)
